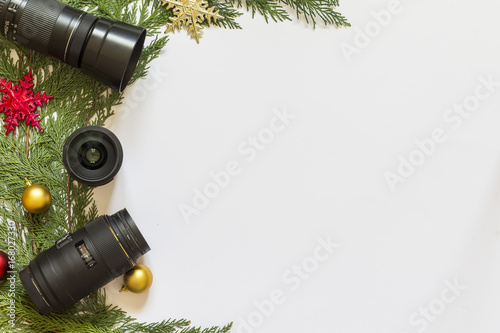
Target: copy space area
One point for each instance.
(330, 180)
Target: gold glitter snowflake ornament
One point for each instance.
(190, 13)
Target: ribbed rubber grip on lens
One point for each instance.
(109, 249)
(36, 23)
(2, 5)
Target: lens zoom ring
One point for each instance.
(36, 23)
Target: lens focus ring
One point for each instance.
(36, 23)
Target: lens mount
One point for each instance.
(92, 155)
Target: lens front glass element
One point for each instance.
(92, 155)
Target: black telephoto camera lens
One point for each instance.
(84, 261)
(93, 155)
(103, 48)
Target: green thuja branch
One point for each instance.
(310, 10)
(228, 12)
(267, 8)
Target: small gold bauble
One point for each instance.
(138, 279)
(36, 198)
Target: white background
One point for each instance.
(322, 176)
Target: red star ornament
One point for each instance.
(18, 102)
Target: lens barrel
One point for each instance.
(82, 262)
(105, 49)
(93, 155)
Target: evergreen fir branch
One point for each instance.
(230, 14)
(273, 10)
(214, 329)
(312, 9)
(165, 326)
(269, 9)
(156, 17)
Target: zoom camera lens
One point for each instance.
(103, 48)
(84, 261)
(93, 155)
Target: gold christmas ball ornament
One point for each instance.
(36, 198)
(138, 279)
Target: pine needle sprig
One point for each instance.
(276, 10)
(310, 10)
(269, 9)
(165, 326)
(214, 329)
(228, 12)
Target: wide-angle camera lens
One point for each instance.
(103, 48)
(84, 261)
(93, 155)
